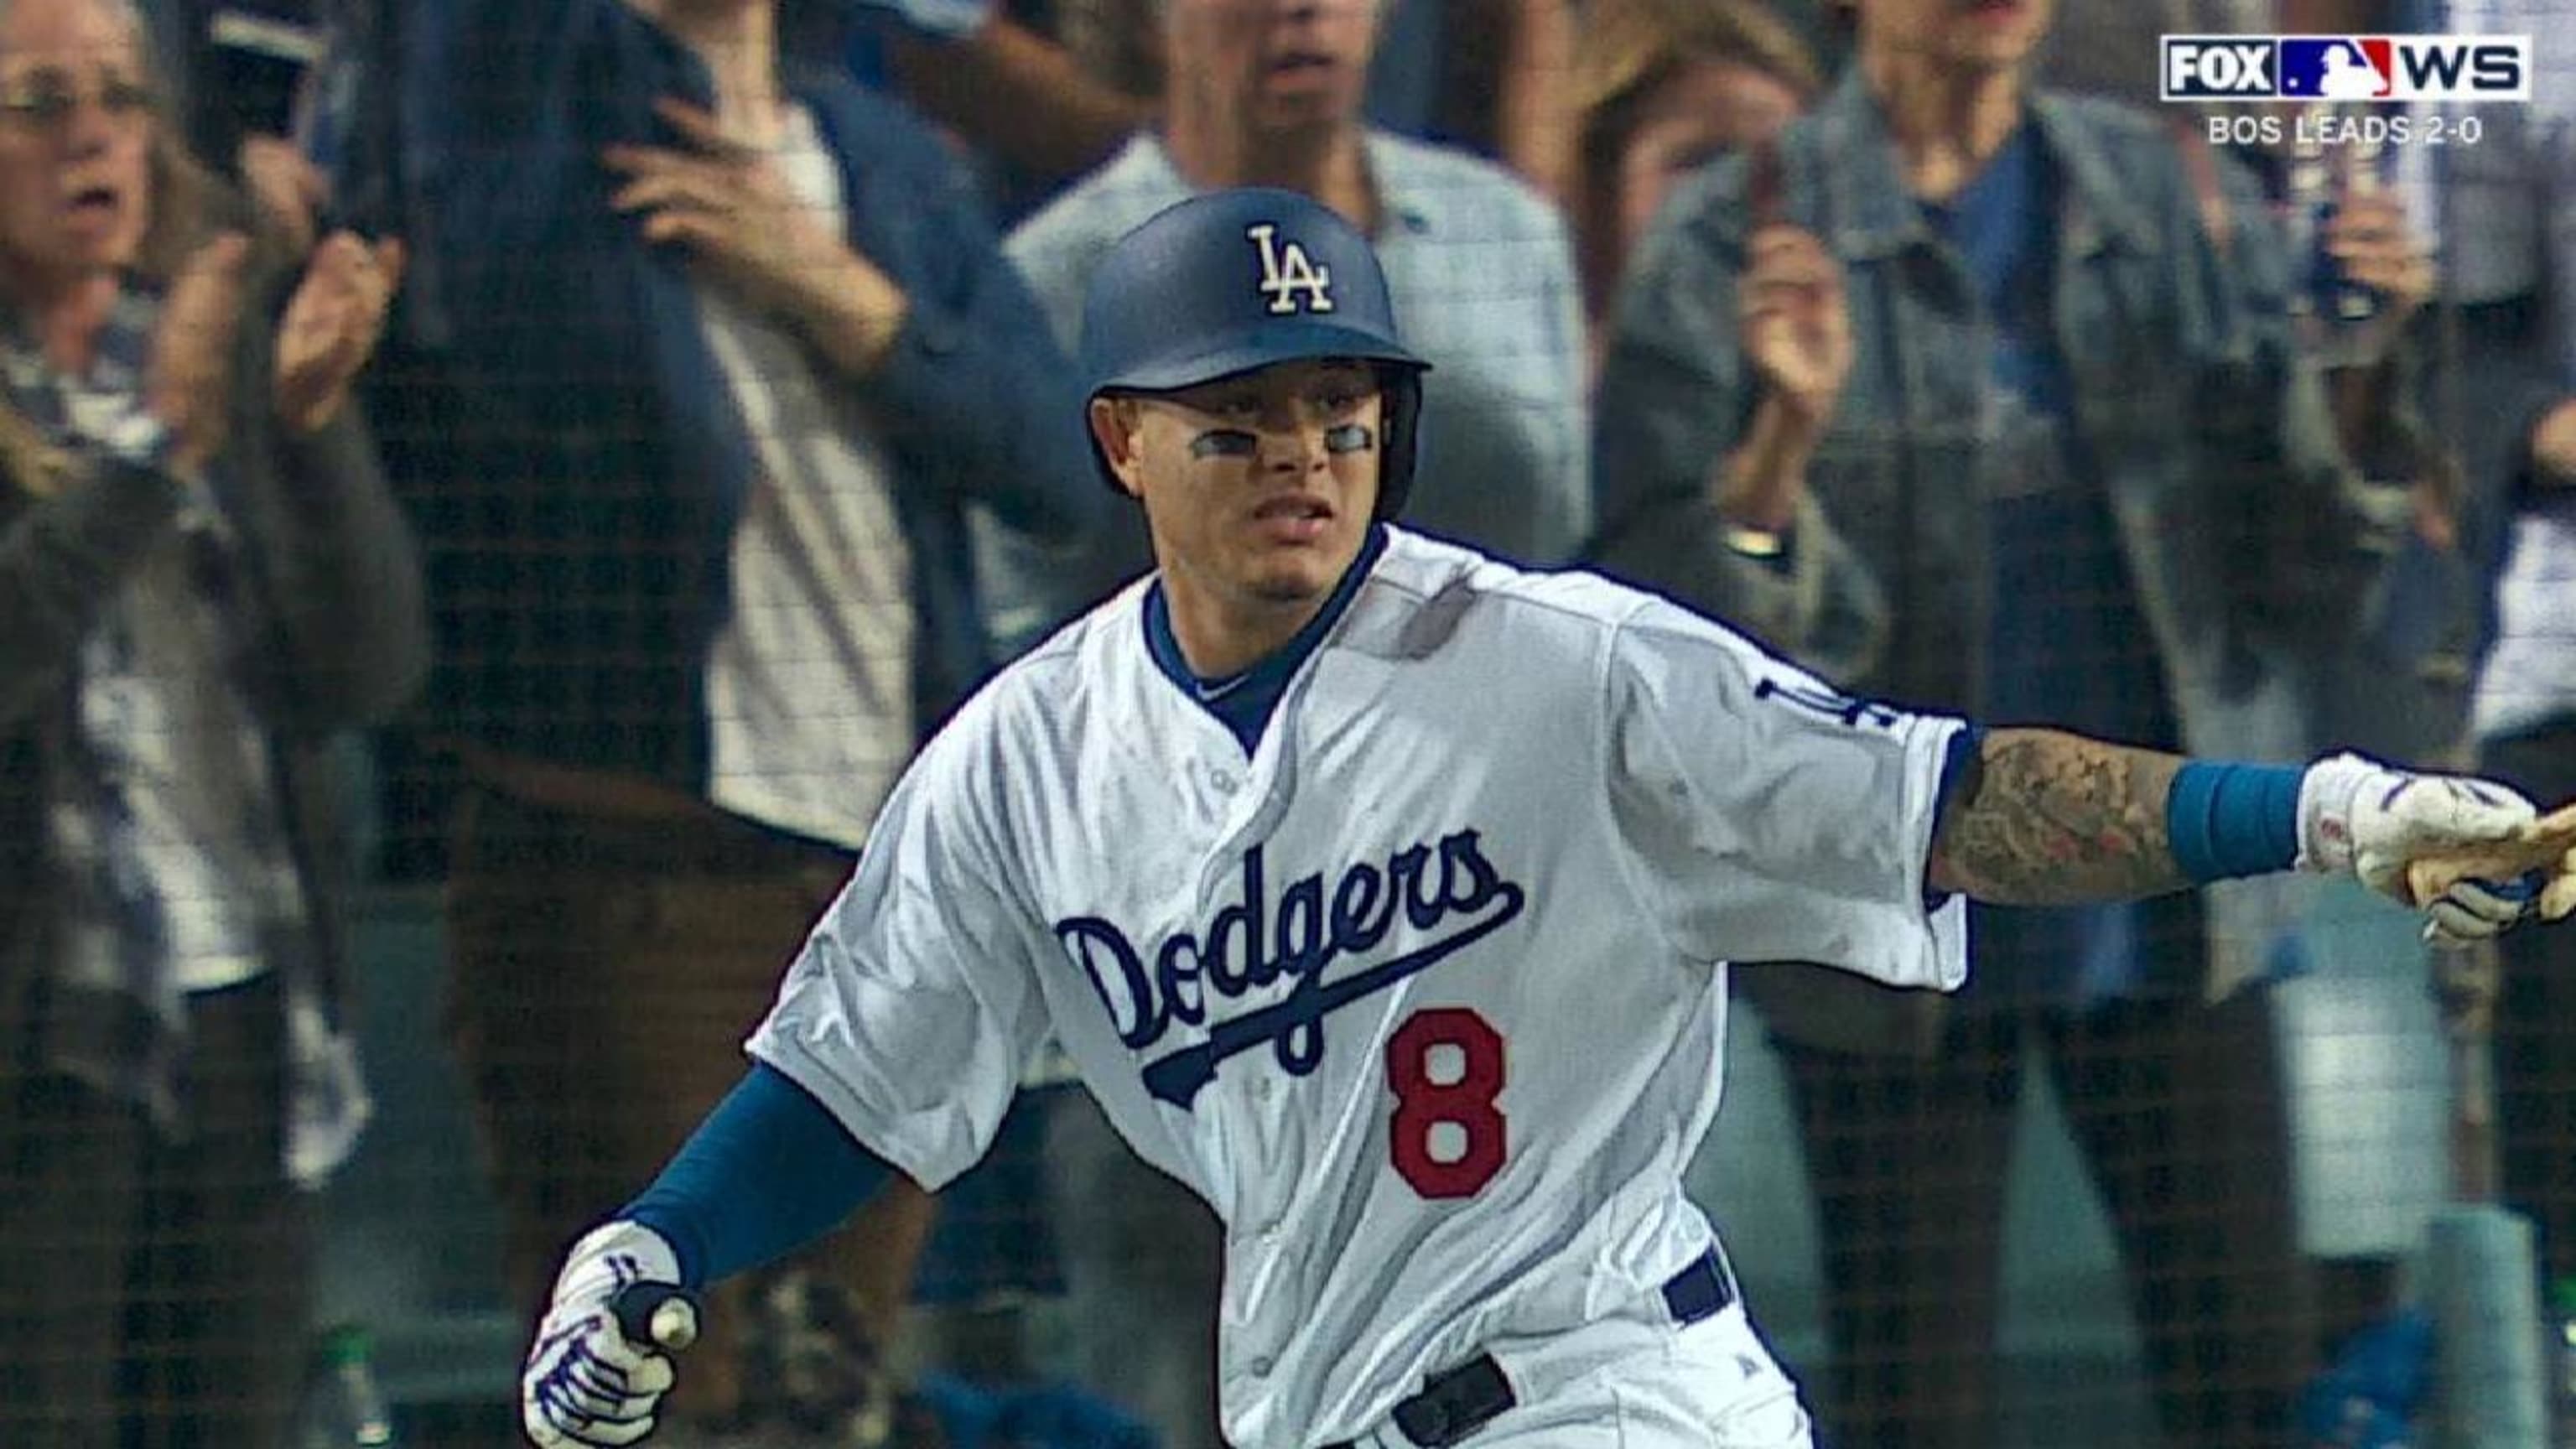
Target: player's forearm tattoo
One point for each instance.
(2054, 819)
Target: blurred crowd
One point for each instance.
(602, 438)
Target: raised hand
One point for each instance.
(287, 185)
(1795, 327)
(187, 383)
(2379, 248)
(332, 324)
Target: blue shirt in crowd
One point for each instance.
(2087, 660)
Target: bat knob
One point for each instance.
(664, 1315)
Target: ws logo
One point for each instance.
(2385, 68)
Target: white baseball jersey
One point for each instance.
(1426, 997)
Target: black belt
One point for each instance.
(1458, 1402)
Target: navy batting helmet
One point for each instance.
(1229, 281)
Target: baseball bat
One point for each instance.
(2543, 846)
(664, 1315)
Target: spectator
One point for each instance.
(2506, 212)
(2128, 522)
(1488, 78)
(202, 581)
(1032, 112)
(736, 348)
(1269, 92)
(1662, 88)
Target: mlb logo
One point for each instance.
(2336, 68)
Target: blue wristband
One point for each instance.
(2229, 820)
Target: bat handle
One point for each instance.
(664, 1315)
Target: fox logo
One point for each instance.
(1287, 272)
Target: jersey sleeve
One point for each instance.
(913, 1006)
(1766, 817)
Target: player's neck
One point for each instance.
(1329, 164)
(1948, 120)
(1222, 636)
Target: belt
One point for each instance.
(571, 789)
(501, 830)
(1457, 1402)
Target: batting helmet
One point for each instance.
(1229, 281)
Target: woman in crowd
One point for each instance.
(202, 578)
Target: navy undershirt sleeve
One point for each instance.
(768, 1171)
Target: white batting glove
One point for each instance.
(585, 1382)
(2361, 817)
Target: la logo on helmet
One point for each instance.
(1287, 272)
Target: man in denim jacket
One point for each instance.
(1954, 398)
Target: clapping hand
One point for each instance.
(287, 185)
(187, 384)
(332, 324)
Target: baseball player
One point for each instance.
(1384, 894)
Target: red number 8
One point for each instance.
(1422, 1103)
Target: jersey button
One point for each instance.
(1223, 780)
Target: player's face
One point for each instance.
(1278, 67)
(1974, 34)
(75, 140)
(1258, 488)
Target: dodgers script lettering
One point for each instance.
(1448, 888)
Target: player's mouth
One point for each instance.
(1293, 518)
(1992, 10)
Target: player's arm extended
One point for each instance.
(2044, 817)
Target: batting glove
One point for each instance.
(585, 1382)
(2359, 817)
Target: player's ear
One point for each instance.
(1117, 426)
